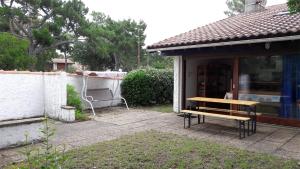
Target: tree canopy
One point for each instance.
(13, 53)
(110, 44)
(294, 5)
(235, 7)
(46, 24)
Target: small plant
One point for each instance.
(47, 156)
(80, 116)
(74, 100)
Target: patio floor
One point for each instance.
(115, 122)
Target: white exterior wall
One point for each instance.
(55, 94)
(177, 83)
(21, 96)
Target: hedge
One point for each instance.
(148, 87)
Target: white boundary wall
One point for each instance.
(27, 94)
(31, 94)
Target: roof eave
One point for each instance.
(230, 43)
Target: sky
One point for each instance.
(165, 18)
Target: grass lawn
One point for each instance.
(162, 150)
(165, 108)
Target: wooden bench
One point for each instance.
(241, 120)
(227, 111)
(252, 115)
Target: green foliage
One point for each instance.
(43, 36)
(148, 86)
(92, 54)
(43, 59)
(13, 53)
(80, 116)
(164, 108)
(159, 62)
(163, 150)
(46, 23)
(235, 7)
(74, 100)
(71, 69)
(47, 156)
(294, 5)
(110, 44)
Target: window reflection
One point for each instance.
(274, 81)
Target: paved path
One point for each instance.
(115, 122)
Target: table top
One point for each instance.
(225, 101)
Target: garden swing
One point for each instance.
(92, 96)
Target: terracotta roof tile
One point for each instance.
(272, 22)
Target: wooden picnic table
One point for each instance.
(225, 101)
(250, 107)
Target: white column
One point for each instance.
(177, 83)
(55, 93)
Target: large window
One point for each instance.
(274, 81)
(261, 75)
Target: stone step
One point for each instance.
(13, 132)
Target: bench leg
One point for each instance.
(184, 117)
(199, 119)
(255, 118)
(244, 125)
(254, 124)
(242, 129)
(190, 120)
(203, 119)
(248, 126)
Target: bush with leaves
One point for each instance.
(14, 53)
(74, 100)
(148, 87)
(294, 5)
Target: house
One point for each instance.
(251, 56)
(58, 64)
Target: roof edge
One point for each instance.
(240, 42)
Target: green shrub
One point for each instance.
(74, 100)
(148, 87)
(14, 53)
(80, 116)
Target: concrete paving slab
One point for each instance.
(281, 135)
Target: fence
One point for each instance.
(31, 94)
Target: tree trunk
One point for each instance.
(138, 51)
(66, 62)
(138, 55)
(116, 62)
(31, 49)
